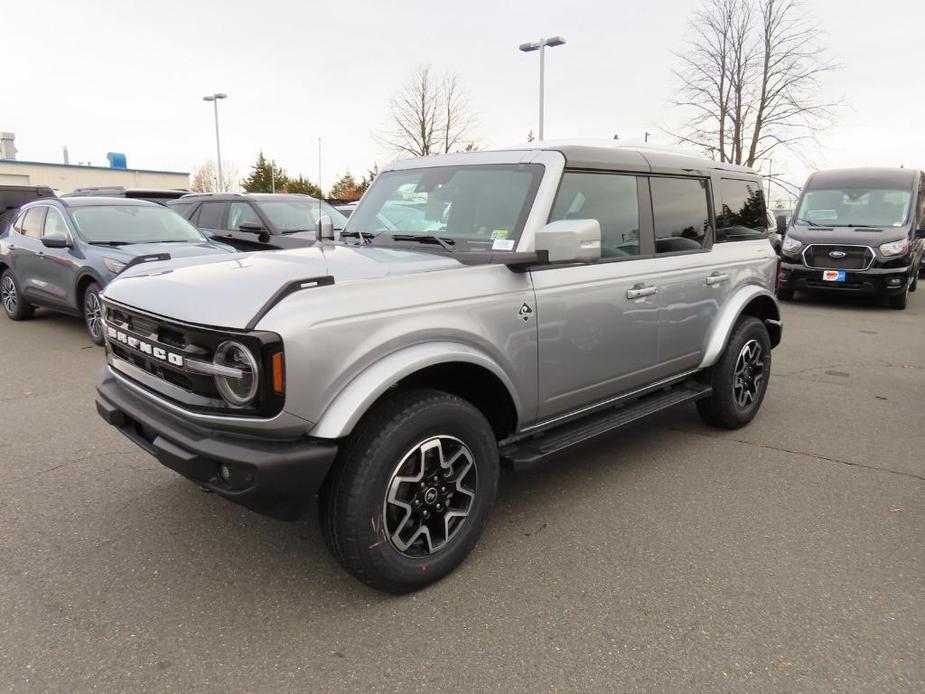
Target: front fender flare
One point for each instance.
(729, 314)
(353, 401)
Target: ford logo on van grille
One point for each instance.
(837, 254)
(144, 347)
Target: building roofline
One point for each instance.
(82, 166)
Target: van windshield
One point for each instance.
(855, 207)
(471, 207)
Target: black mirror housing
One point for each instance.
(55, 242)
(781, 224)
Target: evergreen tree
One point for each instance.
(302, 185)
(265, 176)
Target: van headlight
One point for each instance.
(791, 245)
(239, 386)
(892, 248)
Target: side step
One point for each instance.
(528, 452)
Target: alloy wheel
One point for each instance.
(749, 374)
(93, 314)
(8, 295)
(430, 495)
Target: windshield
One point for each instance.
(484, 207)
(855, 207)
(289, 216)
(121, 224)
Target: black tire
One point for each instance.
(360, 523)
(729, 407)
(15, 307)
(899, 301)
(92, 313)
(785, 294)
(915, 282)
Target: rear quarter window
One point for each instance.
(742, 215)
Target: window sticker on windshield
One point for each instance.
(503, 245)
(499, 234)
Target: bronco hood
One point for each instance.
(228, 290)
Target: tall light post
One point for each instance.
(541, 47)
(214, 98)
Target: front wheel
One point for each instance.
(740, 377)
(411, 491)
(93, 312)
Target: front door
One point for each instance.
(59, 266)
(599, 323)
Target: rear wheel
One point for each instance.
(93, 312)
(411, 491)
(14, 305)
(740, 377)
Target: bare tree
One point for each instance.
(750, 79)
(428, 115)
(205, 178)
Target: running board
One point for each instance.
(528, 452)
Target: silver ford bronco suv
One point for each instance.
(479, 309)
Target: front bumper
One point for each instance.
(882, 281)
(272, 477)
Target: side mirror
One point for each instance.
(781, 224)
(55, 241)
(324, 229)
(570, 241)
(251, 227)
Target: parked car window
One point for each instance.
(124, 224)
(290, 216)
(851, 207)
(241, 212)
(681, 214)
(610, 199)
(484, 207)
(20, 220)
(210, 215)
(742, 215)
(180, 207)
(55, 224)
(34, 221)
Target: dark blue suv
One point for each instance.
(60, 253)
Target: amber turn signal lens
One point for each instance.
(278, 373)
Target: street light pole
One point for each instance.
(541, 47)
(214, 98)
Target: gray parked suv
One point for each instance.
(60, 252)
(536, 299)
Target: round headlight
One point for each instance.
(237, 390)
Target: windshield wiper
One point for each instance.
(857, 226)
(806, 221)
(111, 243)
(426, 238)
(364, 236)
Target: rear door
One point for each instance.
(599, 322)
(27, 251)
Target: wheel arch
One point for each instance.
(749, 301)
(84, 279)
(451, 367)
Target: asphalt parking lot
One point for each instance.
(787, 556)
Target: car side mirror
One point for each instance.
(781, 224)
(251, 227)
(324, 229)
(55, 241)
(570, 241)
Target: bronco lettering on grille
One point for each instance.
(147, 348)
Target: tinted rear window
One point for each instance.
(681, 214)
(210, 215)
(742, 215)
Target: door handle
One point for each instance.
(12, 246)
(641, 290)
(40, 254)
(717, 278)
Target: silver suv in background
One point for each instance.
(479, 308)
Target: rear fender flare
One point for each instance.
(730, 313)
(353, 401)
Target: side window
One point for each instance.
(742, 214)
(241, 212)
(681, 214)
(20, 220)
(35, 219)
(611, 199)
(55, 224)
(210, 215)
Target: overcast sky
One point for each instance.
(129, 76)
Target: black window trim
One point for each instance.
(64, 218)
(44, 212)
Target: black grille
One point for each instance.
(192, 343)
(854, 258)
